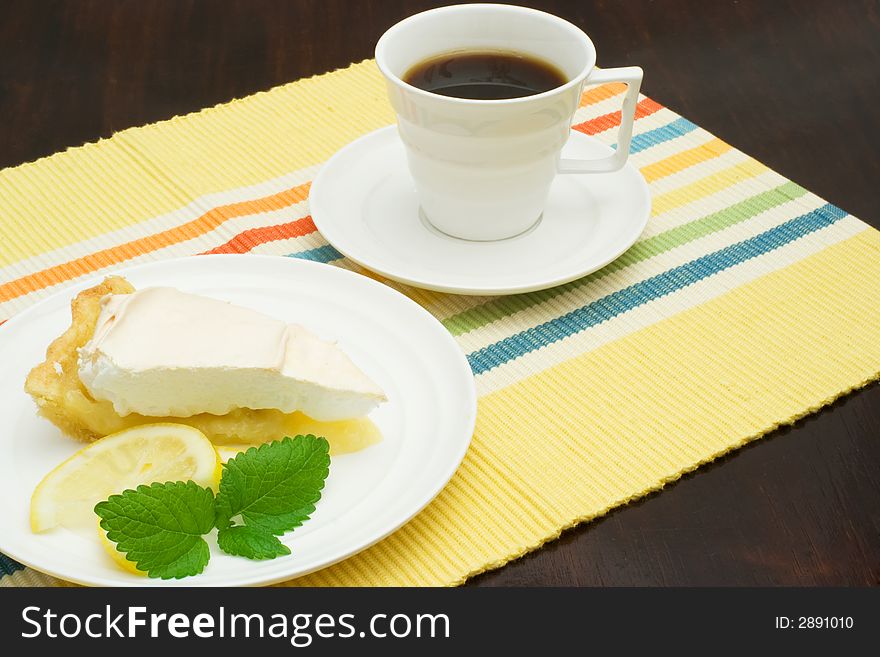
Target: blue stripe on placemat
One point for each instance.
(649, 289)
(8, 566)
(659, 135)
(324, 253)
(656, 136)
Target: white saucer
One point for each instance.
(364, 203)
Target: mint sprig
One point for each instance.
(160, 527)
(263, 493)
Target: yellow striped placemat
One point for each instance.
(748, 303)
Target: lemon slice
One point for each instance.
(140, 455)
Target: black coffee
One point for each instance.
(485, 75)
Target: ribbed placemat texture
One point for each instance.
(747, 303)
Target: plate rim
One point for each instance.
(426, 283)
(468, 421)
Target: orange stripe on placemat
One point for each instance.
(248, 239)
(116, 254)
(645, 107)
(602, 92)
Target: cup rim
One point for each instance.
(381, 45)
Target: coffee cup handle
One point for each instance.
(631, 76)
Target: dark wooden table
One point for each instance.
(795, 83)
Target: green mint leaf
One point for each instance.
(160, 527)
(274, 487)
(244, 541)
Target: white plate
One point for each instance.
(427, 422)
(364, 203)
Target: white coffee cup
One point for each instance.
(483, 168)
